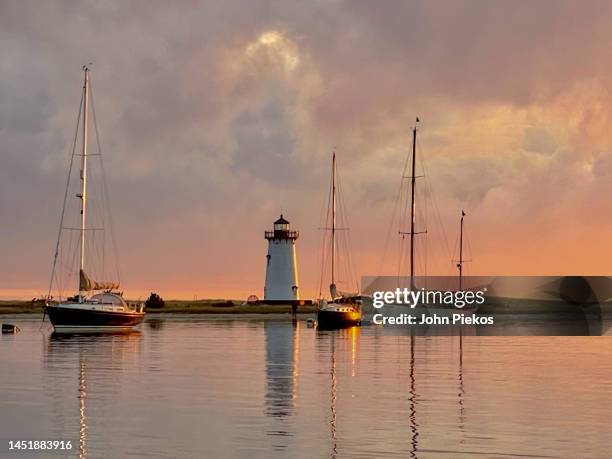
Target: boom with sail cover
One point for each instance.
(86, 284)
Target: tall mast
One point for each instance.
(412, 205)
(460, 264)
(333, 228)
(83, 194)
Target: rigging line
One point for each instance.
(97, 240)
(324, 221)
(401, 244)
(346, 237)
(97, 251)
(425, 256)
(350, 273)
(401, 240)
(455, 248)
(468, 244)
(434, 202)
(74, 247)
(322, 224)
(396, 206)
(104, 255)
(342, 263)
(327, 249)
(104, 185)
(394, 214)
(400, 258)
(59, 280)
(323, 215)
(324, 241)
(59, 233)
(71, 259)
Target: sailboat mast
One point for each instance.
(83, 195)
(333, 228)
(460, 264)
(412, 205)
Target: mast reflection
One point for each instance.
(345, 342)
(333, 399)
(461, 392)
(82, 395)
(84, 353)
(414, 442)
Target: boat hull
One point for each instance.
(70, 319)
(331, 319)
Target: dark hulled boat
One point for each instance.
(101, 312)
(339, 314)
(97, 306)
(343, 310)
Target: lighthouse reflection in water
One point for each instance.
(282, 377)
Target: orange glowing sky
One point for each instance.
(215, 117)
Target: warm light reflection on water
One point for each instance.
(190, 386)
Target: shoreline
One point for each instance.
(227, 307)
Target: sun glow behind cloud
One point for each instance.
(275, 48)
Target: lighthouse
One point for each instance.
(281, 263)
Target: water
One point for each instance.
(191, 387)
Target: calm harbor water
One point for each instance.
(193, 386)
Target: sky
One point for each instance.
(215, 117)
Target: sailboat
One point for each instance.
(98, 306)
(393, 309)
(423, 308)
(342, 310)
(445, 309)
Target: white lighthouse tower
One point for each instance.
(281, 267)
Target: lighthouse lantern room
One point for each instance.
(281, 267)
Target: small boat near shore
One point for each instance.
(10, 328)
(339, 313)
(98, 306)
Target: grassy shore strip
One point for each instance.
(177, 307)
(19, 307)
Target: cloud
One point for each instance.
(539, 140)
(214, 116)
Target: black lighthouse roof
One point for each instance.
(281, 231)
(281, 221)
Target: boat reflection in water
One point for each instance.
(342, 345)
(408, 356)
(85, 353)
